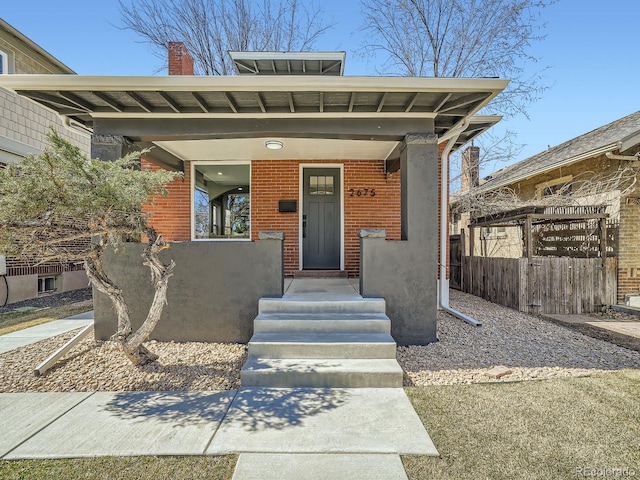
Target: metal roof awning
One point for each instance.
(184, 115)
(85, 98)
(289, 63)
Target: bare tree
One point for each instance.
(211, 28)
(61, 206)
(495, 149)
(460, 38)
(586, 188)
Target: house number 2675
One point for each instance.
(362, 192)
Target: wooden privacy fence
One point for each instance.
(561, 285)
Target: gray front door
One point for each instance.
(321, 218)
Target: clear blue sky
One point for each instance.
(592, 49)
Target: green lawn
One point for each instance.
(565, 428)
(14, 321)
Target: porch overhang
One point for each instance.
(184, 108)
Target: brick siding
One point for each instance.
(272, 181)
(180, 60)
(629, 248)
(171, 215)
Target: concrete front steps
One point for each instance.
(314, 342)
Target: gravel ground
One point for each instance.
(101, 366)
(526, 346)
(510, 346)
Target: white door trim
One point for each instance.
(302, 166)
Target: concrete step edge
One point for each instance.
(329, 338)
(303, 364)
(340, 316)
(321, 326)
(368, 305)
(371, 373)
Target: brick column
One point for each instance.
(180, 60)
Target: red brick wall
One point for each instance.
(279, 180)
(171, 215)
(21, 266)
(272, 181)
(381, 211)
(180, 60)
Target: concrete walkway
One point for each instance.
(630, 328)
(280, 433)
(24, 337)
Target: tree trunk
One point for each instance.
(132, 343)
(94, 267)
(160, 274)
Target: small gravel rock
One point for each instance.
(532, 348)
(101, 366)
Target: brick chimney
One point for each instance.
(470, 168)
(180, 60)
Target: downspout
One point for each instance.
(443, 296)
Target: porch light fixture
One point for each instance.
(273, 144)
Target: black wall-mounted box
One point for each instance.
(287, 206)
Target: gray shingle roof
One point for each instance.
(609, 136)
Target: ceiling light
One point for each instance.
(219, 173)
(273, 144)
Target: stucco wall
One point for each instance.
(20, 288)
(212, 296)
(404, 272)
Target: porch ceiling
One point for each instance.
(298, 148)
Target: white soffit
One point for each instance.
(293, 148)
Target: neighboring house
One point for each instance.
(290, 169)
(597, 154)
(23, 127)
